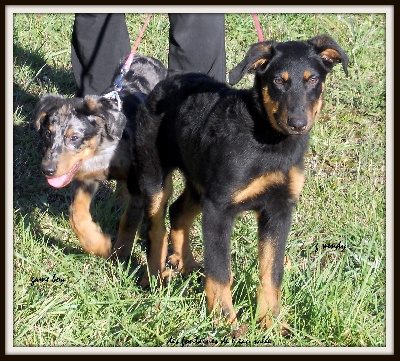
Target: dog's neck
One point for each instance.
(99, 164)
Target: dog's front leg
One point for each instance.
(90, 236)
(273, 230)
(217, 230)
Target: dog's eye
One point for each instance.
(47, 134)
(278, 81)
(72, 138)
(312, 80)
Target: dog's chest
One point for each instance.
(244, 170)
(111, 161)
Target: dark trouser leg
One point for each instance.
(100, 42)
(197, 44)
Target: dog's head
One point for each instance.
(290, 78)
(72, 129)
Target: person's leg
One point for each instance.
(197, 44)
(100, 42)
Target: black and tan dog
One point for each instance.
(89, 140)
(238, 150)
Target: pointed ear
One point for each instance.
(330, 52)
(257, 56)
(43, 107)
(107, 109)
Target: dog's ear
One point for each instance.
(330, 52)
(256, 57)
(43, 107)
(108, 110)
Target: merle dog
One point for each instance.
(88, 140)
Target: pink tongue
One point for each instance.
(60, 181)
(65, 179)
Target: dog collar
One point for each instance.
(113, 95)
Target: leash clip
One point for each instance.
(118, 82)
(113, 95)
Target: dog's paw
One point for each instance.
(145, 281)
(239, 331)
(185, 268)
(284, 328)
(99, 245)
(121, 253)
(167, 275)
(162, 279)
(175, 261)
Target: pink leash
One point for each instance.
(258, 27)
(129, 60)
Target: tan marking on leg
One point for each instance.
(158, 249)
(258, 186)
(157, 234)
(219, 298)
(182, 258)
(268, 295)
(161, 198)
(156, 202)
(296, 182)
(129, 226)
(90, 236)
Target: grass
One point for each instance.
(331, 297)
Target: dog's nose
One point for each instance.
(297, 124)
(49, 169)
